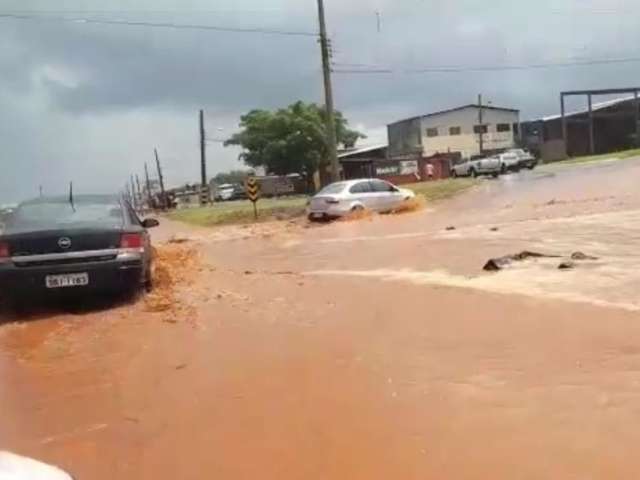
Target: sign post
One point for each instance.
(253, 192)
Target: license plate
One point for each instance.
(317, 215)
(67, 280)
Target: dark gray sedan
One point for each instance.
(88, 243)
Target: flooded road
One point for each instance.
(356, 350)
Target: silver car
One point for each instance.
(342, 198)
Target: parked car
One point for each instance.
(525, 158)
(342, 198)
(509, 162)
(87, 243)
(224, 192)
(228, 192)
(475, 167)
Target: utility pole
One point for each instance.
(40, 191)
(149, 196)
(203, 151)
(134, 196)
(139, 195)
(138, 188)
(161, 178)
(480, 125)
(328, 94)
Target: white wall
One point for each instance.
(467, 143)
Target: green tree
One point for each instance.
(289, 140)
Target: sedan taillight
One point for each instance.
(4, 251)
(131, 240)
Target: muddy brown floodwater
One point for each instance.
(357, 350)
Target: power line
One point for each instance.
(492, 68)
(179, 26)
(169, 11)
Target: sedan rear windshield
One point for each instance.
(333, 189)
(50, 215)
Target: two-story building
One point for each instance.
(468, 130)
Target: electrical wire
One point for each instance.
(493, 68)
(179, 26)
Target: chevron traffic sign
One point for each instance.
(253, 189)
(253, 192)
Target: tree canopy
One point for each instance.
(289, 140)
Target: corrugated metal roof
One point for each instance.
(596, 106)
(357, 151)
(470, 105)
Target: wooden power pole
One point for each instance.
(480, 125)
(203, 158)
(332, 140)
(163, 200)
(134, 196)
(139, 194)
(149, 195)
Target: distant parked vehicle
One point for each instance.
(342, 198)
(224, 192)
(228, 192)
(525, 158)
(475, 167)
(509, 162)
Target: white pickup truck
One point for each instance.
(476, 167)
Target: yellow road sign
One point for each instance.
(253, 189)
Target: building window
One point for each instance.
(504, 127)
(480, 129)
(455, 131)
(432, 132)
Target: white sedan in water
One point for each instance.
(342, 198)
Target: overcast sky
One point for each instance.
(89, 102)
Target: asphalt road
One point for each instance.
(369, 349)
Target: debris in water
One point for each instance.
(248, 272)
(494, 229)
(495, 264)
(568, 265)
(179, 240)
(182, 366)
(450, 228)
(582, 256)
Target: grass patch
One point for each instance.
(442, 189)
(597, 158)
(240, 212)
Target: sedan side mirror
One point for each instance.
(150, 223)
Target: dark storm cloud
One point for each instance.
(94, 99)
(120, 67)
(123, 67)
